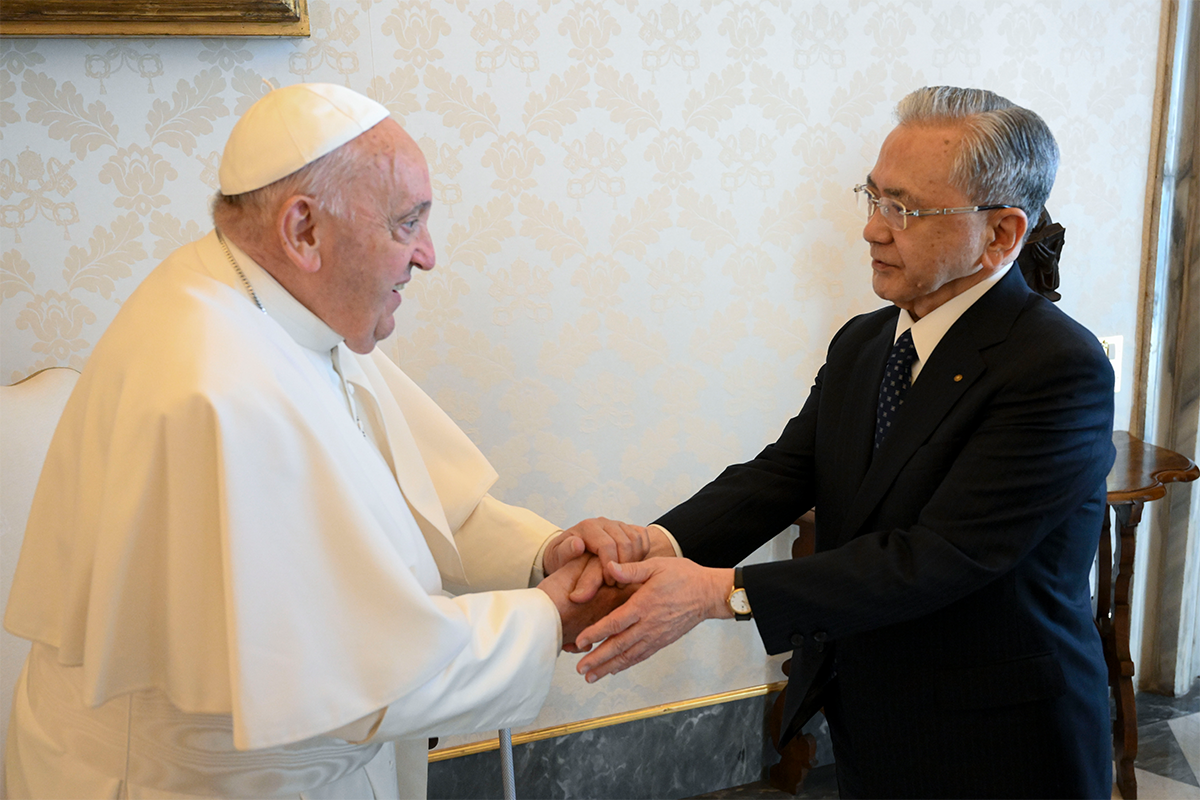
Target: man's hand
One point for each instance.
(677, 594)
(577, 616)
(609, 540)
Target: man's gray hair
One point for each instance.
(324, 180)
(1008, 153)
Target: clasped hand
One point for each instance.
(612, 562)
(673, 596)
(608, 540)
(576, 616)
(574, 564)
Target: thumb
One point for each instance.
(588, 582)
(631, 571)
(560, 552)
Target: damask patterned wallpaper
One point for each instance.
(643, 213)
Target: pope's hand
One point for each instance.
(577, 616)
(610, 541)
(677, 594)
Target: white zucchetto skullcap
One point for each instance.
(291, 127)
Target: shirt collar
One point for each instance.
(928, 331)
(304, 326)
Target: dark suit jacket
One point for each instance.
(950, 584)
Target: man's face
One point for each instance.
(935, 257)
(367, 255)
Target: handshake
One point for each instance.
(621, 586)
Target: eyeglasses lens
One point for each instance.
(892, 211)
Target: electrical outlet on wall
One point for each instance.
(1112, 348)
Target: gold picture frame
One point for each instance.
(64, 18)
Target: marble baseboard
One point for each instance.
(821, 784)
(677, 755)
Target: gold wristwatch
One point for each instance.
(739, 604)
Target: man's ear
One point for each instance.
(297, 230)
(1007, 232)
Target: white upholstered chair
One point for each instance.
(29, 412)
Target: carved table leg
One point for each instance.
(798, 757)
(800, 754)
(1114, 632)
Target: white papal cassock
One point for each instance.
(236, 557)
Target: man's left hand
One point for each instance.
(577, 616)
(677, 594)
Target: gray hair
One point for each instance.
(1008, 153)
(325, 180)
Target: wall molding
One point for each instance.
(605, 721)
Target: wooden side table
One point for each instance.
(1139, 475)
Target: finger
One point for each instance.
(643, 538)
(632, 572)
(573, 569)
(639, 541)
(600, 541)
(589, 582)
(616, 622)
(624, 540)
(550, 560)
(570, 548)
(628, 546)
(615, 655)
(601, 654)
(562, 549)
(620, 663)
(558, 584)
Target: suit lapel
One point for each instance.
(861, 399)
(954, 367)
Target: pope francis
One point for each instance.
(258, 552)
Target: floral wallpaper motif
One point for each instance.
(645, 229)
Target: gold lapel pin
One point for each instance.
(957, 378)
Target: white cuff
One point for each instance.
(670, 538)
(538, 573)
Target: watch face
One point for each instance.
(739, 602)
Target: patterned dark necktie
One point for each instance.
(897, 377)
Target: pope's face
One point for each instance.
(371, 249)
(935, 257)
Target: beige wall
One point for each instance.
(644, 221)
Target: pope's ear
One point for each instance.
(297, 230)
(1007, 229)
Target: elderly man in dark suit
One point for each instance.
(954, 447)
